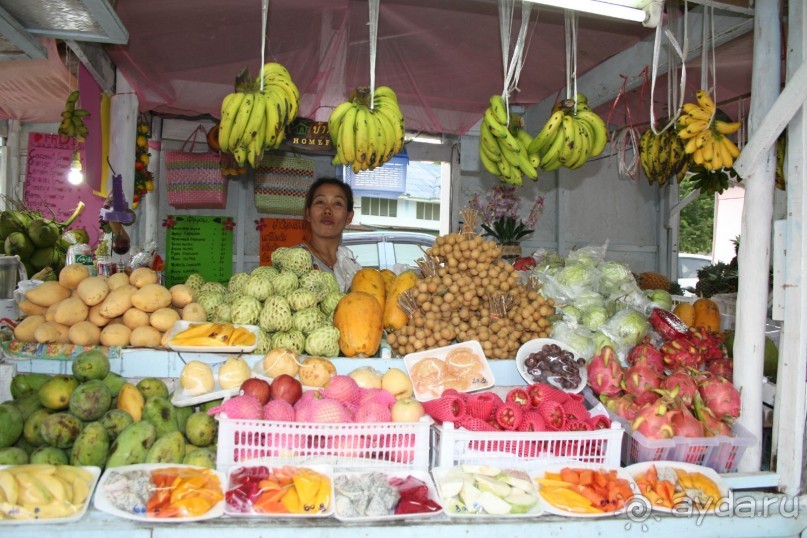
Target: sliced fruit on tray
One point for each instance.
(585, 491)
(671, 487)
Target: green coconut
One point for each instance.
(13, 221)
(18, 244)
(44, 232)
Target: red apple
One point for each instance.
(259, 388)
(407, 410)
(285, 387)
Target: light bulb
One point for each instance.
(75, 176)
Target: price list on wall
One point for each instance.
(198, 244)
(280, 233)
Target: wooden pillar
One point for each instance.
(755, 252)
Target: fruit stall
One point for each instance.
(173, 361)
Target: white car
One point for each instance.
(688, 266)
(382, 250)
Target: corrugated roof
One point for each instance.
(423, 180)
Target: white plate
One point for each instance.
(537, 344)
(102, 502)
(422, 475)
(441, 472)
(258, 371)
(428, 392)
(95, 471)
(556, 467)
(326, 470)
(639, 468)
(182, 325)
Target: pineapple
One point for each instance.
(653, 281)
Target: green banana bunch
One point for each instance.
(781, 145)
(364, 137)
(72, 123)
(662, 156)
(570, 138)
(254, 119)
(710, 181)
(503, 144)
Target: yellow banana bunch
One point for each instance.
(662, 156)
(367, 137)
(73, 118)
(254, 119)
(503, 144)
(570, 138)
(214, 334)
(705, 137)
(43, 491)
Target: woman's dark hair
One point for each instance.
(346, 190)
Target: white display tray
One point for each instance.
(639, 468)
(430, 391)
(441, 472)
(422, 475)
(102, 502)
(537, 344)
(182, 325)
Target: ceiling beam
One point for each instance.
(97, 62)
(20, 37)
(103, 13)
(724, 6)
(602, 83)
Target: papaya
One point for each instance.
(394, 315)
(359, 318)
(706, 314)
(370, 281)
(686, 312)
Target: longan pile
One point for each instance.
(455, 303)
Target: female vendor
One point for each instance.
(328, 209)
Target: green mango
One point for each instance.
(24, 384)
(60, 430)
(91, 446)
(27, 405)
(50, 455)
(11, 424)
(152, 386)
(90, 400)
(115, 421)
(55, 392)
(160, 412)
(183, 414)
(114, 382)
(31, 430)
(12, 455)
(202, 457)
(91, 364)
(168, 448)
(132, 444)
(207, 406)
(201, 429)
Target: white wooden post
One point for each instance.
(789, 413)
(754, 255)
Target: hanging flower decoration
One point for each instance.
(498, 210)
(143, 178)
(229, 224)
(260, 224)
(169, 222)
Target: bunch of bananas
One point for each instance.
(662, 155)
(43, 491)
(73, 118)
(503, 145)
(366, 137)
(569, 139)
(781, 145)
(253, 119)
(706, 137)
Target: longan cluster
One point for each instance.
(454, 304)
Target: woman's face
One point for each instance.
(328, 214)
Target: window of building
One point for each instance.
(379, 207)
(427, 211)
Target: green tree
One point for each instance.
(695, 232)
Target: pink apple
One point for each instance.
(407, 410)
(258, 388)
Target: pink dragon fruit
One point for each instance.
(640, 382)
(624, 406)
(681, 353)
(685, 424)
(646, 353)
(667, 324)
(685, 383)
(244, 406)
(653, 421)
(278, 410)
(605, 373)
(373, 412)
(376, 395)
(722, 397)
(710, 345)
(712, 425)
(721, 368)
(344, 389)
(328, 411)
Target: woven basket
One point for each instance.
(281, 182)
(193, 179)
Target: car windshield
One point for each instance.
(688, 267)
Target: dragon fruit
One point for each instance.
(278, 410)
(712, 425)
(624, 406)
(722, 397)
(709, 344)
(646, 353)
(653, 421)
(373, 412)
(685, 424)
(245, 406)
(667, 324)
(605, 373)
(328, 410)
(640, 381)
(343, 389)
(681, 353)
(685, 383)
(721, 368)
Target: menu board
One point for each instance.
(280, 233)
(46, 189)
(198, 244)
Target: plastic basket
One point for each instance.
(388, 445)
(721, 453)
(452, 446)
(679, 299)
(727, 304)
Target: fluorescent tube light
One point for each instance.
(595, 7)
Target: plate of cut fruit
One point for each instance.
(678, 487)
(584, 490)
